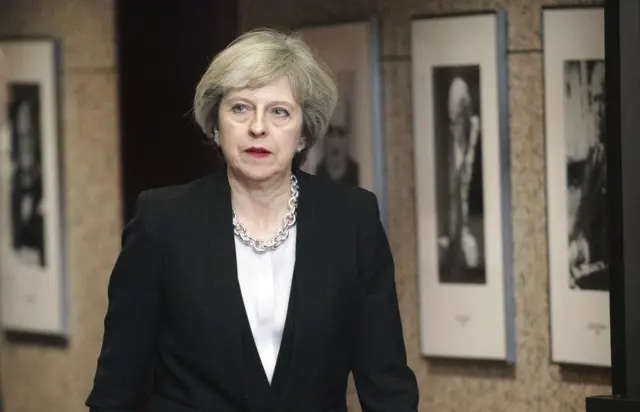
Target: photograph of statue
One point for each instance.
(26, 186)
(458, 170)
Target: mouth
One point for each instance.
(258, 152)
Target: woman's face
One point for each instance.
(260, 130)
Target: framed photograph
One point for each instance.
(352, 151)
(32, 252)
(574, 81)
(460, 128)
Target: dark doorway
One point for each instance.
(163, 49)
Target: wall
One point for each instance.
(534, 384)
(37, 378)
(43, 378)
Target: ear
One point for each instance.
(301, 144)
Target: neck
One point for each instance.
(260, 206)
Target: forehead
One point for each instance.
(276, 90)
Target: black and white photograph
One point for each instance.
(27, 216)
(33, 274)
(462, 186)
(458, 170)
(352, 150)
(336, 160)
(576, 184)
(586, 174)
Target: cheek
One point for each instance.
(224, 123)
(229, 134)
(288, 139)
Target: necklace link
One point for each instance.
(260, 246)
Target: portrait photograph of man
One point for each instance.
(333, 152)
(586, 174)
(337, 163)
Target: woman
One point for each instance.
(258, 288)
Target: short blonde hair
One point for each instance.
(255, 59)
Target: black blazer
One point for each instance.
(176, 309)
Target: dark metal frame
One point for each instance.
(622, 43)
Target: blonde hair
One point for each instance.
(257, 58)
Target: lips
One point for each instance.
(258, 152)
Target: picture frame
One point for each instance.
(351, 50)
(574, 77)
(462, 184)
(33, 268)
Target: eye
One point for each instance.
(239, 108)
(280, 112)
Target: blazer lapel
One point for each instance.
(305, 290)
(244, 358)
(228, 308)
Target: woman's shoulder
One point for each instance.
(339, 197)
(178, 192)
(173, 200)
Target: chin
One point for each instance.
(259, 173)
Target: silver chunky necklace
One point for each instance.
(281, 235)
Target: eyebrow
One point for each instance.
(271, 103)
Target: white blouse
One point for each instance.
(265, 282)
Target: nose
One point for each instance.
(257, 127)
